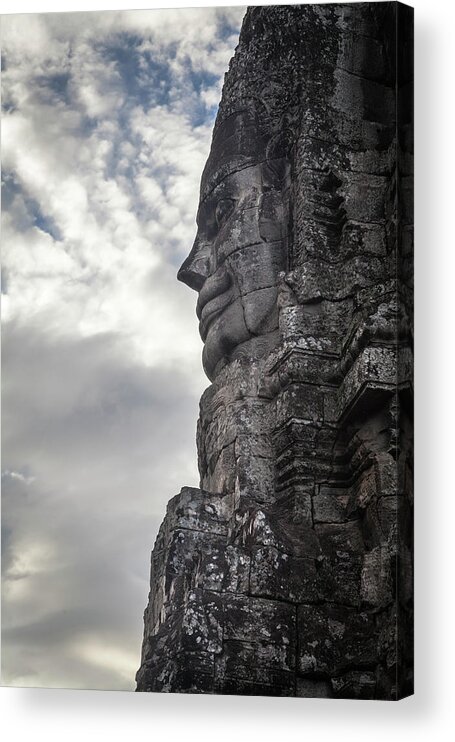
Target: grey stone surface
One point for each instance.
(290, 571)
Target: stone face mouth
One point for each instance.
(215, 295)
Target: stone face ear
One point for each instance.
(273, 210)
(277, 167)
(275, 173)
(272, 217)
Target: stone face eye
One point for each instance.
(223, 209)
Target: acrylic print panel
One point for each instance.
(283, 563)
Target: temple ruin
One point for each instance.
(289, 572)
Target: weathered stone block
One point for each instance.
(376, 582)
(257, 620)
(340, 563)
(252, 661)
(302, 401)
(281, 576)
(237, 573)
(255, 478)
(309, 688)
(355, 684)
(187, 672)
(202, 622)
(333, 638)
(329, 508)
(220, 476)
(199, 510)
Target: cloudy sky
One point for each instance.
(106, 125)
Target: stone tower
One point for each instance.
(289, 572)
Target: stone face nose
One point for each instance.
(196, 267)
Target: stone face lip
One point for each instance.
(289, 571)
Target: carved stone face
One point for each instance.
(238, 251)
